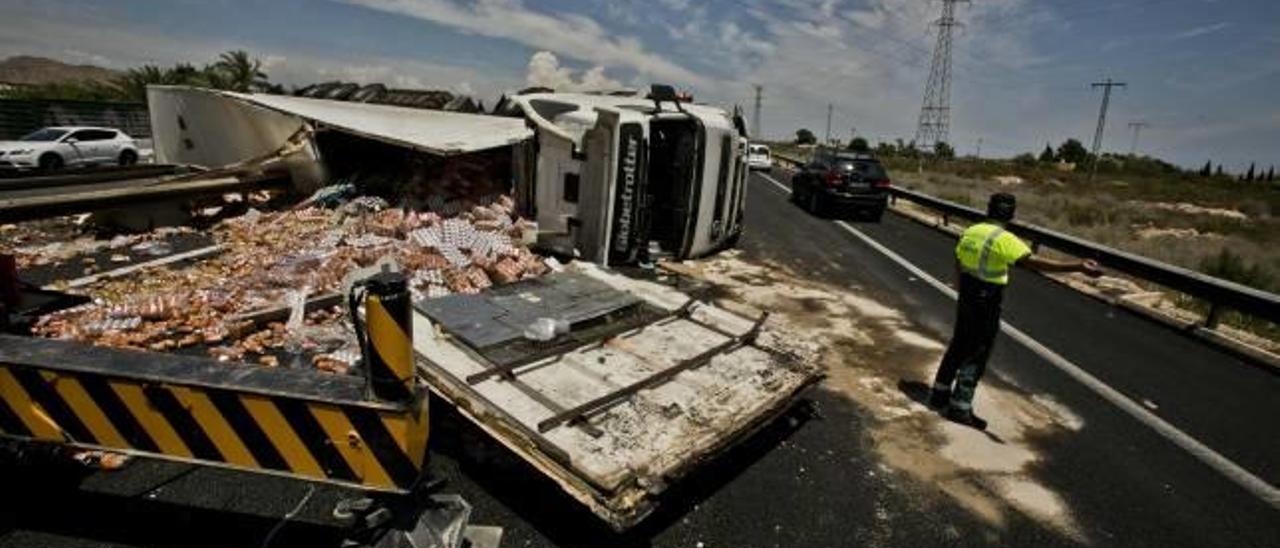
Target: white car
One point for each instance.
(53, 148)
(758, 157)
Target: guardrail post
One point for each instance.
(1214, 316)
(389, 354)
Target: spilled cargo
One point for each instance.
(515, 236)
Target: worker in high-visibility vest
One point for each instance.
(984, 256)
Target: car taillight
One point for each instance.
(833, 178)
(882, 183)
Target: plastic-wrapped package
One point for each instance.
(268, 256)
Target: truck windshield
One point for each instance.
(44, 135)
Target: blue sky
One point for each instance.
(1203, 73)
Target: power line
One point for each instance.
(1102, 119)
(830, 107)
(755, 117)
(1136, 126)
(935, 112)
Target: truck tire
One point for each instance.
(51, 161)
(128, 158)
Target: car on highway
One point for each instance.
(758, 157)
(53, 148)
(838, 182)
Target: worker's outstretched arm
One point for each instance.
(1043, 264)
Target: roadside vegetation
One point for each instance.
(1219, 223)
(234, 70)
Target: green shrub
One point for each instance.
(1228, 265)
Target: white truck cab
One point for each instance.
(622, 178)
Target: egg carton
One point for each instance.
(455, 257)
(429, 238)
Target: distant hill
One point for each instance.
(25, 69)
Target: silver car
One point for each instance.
(54, 148)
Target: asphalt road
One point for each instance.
(811, 478)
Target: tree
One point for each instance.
(805, 137)
(943, 150)
(886, 149)
(1219, 170)
(239, 72)
(1271, 174)
(1025, 159)
(858, 144)
(1073, 151)
(1249, 175)
(1207, 170)
(1047, 155)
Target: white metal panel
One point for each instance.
(433, 131)
(205, 127)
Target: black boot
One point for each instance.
(966, 417)
(939, 398)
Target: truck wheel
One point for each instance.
(51, 162)
(128, 158)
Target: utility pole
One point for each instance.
(1137, 126)
(978, 154)
(1102, 120)
(935, 113)
(755, 117)
(829, 109)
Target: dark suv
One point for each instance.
(842, 182)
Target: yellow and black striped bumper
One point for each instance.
(300, 423)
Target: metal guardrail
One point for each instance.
(89, 176)
(1219, 293)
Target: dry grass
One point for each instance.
(1123, 214)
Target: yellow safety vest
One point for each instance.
(987, 250)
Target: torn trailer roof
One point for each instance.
(432, 131)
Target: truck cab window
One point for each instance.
(571, 183)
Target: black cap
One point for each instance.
(1001, 206)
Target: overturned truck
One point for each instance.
(610, 381)
(614, 179)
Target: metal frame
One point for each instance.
(570, 416)
(296, 423)
(1217, 292)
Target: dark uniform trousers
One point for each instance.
(977, 323)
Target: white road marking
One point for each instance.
(1232, 471)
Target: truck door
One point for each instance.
(629, 226)
(594, 205)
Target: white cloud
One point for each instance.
(573, 35)
(122, 47)
(545, 71)
(1200, 31)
